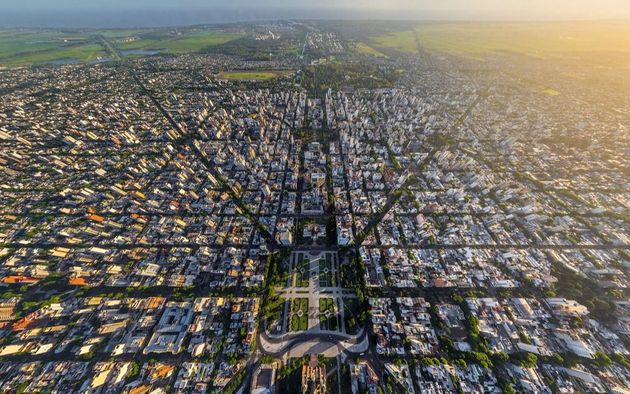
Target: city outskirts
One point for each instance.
(315, 206)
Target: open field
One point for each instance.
(14, 42)
(21, 47)
(252, 75)
(120, 33)
(72, 54)
(538, 40)
(533, 39)
(551, 92)
(365, 49)
(196, 42)
(185, 43)
(404, 41)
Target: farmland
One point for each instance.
(531, 39)
(24, 47)
(480, 40)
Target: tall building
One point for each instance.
(313, 377)
(264, 379)
(7, 309)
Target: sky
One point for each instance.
(100, 13)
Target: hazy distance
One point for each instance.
(125, 13)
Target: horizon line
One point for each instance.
(323, 19)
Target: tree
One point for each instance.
(134, 370)
(21, 388)
(447, 344)
(460, 362)
(556, 358)
(525, 360)
(508, 389)
(621, 359)
(232, 358)
(602, 360)
(500, 358)
(481, 359)
(352, 323)
(87, 356)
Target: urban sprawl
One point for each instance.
(167, 228)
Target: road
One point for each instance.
(344, 342)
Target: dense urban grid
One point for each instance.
(325, 218)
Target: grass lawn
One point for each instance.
(80, 53)
(404, 41)
(187, 43)
(551, 92)
(368, 50)
(13, 42)
(292, 49)
(22, 47)
(543, 40)
(327, 276)
(531, 39)
(197, 41)
(15, 45)
(141, 43)
(299, 314)
(251, 75)
(303, 267)
(328, 319)
(120, 33)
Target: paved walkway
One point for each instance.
(314, 292)
(314, 340)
